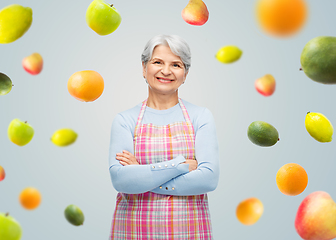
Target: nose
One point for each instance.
(165, 70)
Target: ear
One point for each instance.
(185, 75)
(144, 71)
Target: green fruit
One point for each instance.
(15, 20)
(74, 215)
(102, 17)
(10, 229)
(228, 54)
(5, 84)
(262, 134)
(318, 59)
(20, 132)
(64, 137)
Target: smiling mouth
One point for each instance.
(164, 80)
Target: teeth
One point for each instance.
(164, 80)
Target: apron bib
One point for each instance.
(157, 216)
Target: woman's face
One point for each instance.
(165, 72)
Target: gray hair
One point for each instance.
(177, 45)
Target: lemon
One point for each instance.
(319, 127)
(64, 137)
(228, 54)
(15, 20)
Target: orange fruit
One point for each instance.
(86, 86)
(281, 17)
(249, 211)
(30, 198)
(291, 179)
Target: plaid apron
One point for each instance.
(157, 216)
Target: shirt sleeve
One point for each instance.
(134, 179)
(205, 178)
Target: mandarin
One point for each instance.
(30, 198)
(249, 211)
(281, 17)
(291, 179)
(86, 86)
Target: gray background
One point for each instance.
(79, 174)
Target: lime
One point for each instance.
(228, 54)
(74, 215)
(319, 127)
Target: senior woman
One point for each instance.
(163, 154)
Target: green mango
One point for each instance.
(318, 59)
(15, 20)
(5, 84)
(262, 134)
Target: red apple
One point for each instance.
(195, 13)
(2, 173)
(316, 217)
(33, 64)
(265, 85)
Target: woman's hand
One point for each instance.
(192, 164)
(126, 158)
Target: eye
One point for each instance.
(176, 65)
(157, 62)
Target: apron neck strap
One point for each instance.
(143, 108)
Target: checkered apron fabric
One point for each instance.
(158, 216)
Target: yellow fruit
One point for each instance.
(291, 179)
(64, 137)
(319, 127)
(15, 20)
(249, 211)
(228, 54)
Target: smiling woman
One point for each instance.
(165, 72)
(163, 154)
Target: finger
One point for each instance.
(123, 155)
(123, 159)
(128, 153)
(123, 163)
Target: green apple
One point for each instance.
(5, 84)
(10, 229)
(102, 17)
(20, 132)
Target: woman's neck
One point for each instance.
(162, 102)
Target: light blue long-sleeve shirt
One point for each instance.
(169, 177)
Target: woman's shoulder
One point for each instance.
(132, 112)
(194, 110)
(128, 117)
(198, 115)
